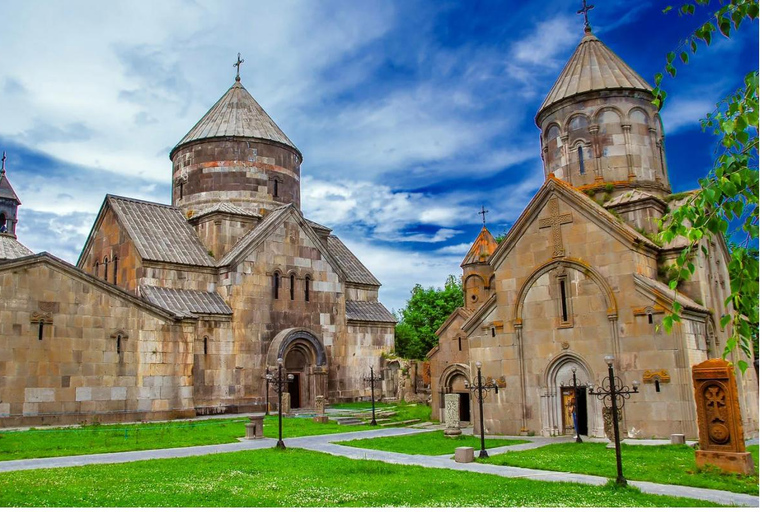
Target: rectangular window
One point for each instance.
(40, 329)
(459, 343)
(276, 285)
(565, 318)
(307, 283)
(293, 283)
(581, 160)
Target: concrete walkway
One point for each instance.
(324, 444)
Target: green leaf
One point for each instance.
(743, 365)
(673, 284)
(684, 57)
(667, 323)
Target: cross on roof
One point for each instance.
(3, 169)
(585, 11)
(237, 65)
(482, 212)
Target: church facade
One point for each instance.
(580, 276)
(177, 310)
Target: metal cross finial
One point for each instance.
(482, 212)
(3, 168)
(237, 65)
(585, 11)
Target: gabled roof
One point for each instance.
(365, 311)
(77, 273)
(661, 290)
(159, 232)
(458, 312)
(186, 303)
(226, 208)
(317, 227)
(10, 248)
(256, 233)
(481, 249)
(6, 190)
(479, 314)
(593, 67)
(236, 114)
(353, 268)
(618, 228)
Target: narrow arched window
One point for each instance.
(276, 285)
(493, 332)
(96, 269)
(307, 284)
(274, 190)
(581, 160)
(181, 190)
(106, 268)
(563, 301)
(118, 342)
(40, 327)
(3, 222)
(293, 284)
(114, 270)
(205, 345)
(459, 343)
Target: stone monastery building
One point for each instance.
(177, 310)
(579, 276)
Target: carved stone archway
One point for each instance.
(303, 356)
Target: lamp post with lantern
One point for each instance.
(279, 380)
(613, 393)
(480, 390)
(373, 380)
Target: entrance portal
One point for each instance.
(464, 407)
(579, 403)
(294, 388)
(296, 363)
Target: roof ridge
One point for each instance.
(142, 201)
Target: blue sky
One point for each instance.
(410, 114)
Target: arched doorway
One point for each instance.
(562, 398)
(453, 380)
(303, 357)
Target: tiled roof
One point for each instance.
(160, 232)
(316, 226)
(355, 270)
(593, 66)
(261, 228)
(6, 190)
(364, 311)
(10, 248)
(671, 295)
(186, 303)
(630, 197)
(481, 249)
(226, 208)
(236, 114)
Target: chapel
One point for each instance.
(581, 276)
(181, 309)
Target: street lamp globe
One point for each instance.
(478, 364)
(279, 360)
(609, 360)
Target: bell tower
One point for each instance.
(9, 204)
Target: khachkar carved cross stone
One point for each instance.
(554, 221)
(721, 433)
(451, 415)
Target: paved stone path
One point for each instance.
(324, 444)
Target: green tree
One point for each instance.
(423, 314)
(728, 202)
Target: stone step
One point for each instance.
(426, 424)
(349, 421)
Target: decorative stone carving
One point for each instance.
(721, 435)
(608, 425)
(649, 376)
(554, 221)
(286, 403)
(37, 317)
(320, 405)
(451, 416)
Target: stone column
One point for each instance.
(596, 152)
(451, 415)
(255, 429)
(286, 403)
(320, 416)
(627, 128)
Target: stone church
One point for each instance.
(177, 310)
(580, 275)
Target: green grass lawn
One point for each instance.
(31, 444)
(405, 411)
(665, 464)
(298, 478)
(428, 443)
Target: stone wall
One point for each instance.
(448, 364)
(76, 373)
(220, 232)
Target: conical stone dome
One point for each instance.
(592, 67)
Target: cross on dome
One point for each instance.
(237, 65)
(482, 212)
(585, 11)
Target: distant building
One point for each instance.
(177, 310)
(579, 276)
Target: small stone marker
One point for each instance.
(608, 426)
(286, 403)
(464, 454)
(255, 429)
(721, 434)
(451, 416)
(677, 439)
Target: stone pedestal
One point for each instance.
(255, 429)
(451, 416)
(677, 439)
(320, 419)
(286, 403)
(320, 405)
(464, 454)
(721, 434)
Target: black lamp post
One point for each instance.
(613, 389)
(480, 390)
(267, 380)
(279, 380)
(373, 380)
(576, 385)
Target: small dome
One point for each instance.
(236, 114)
(592, 67)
